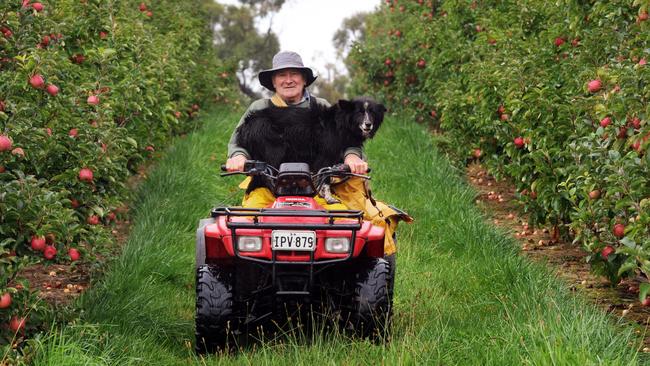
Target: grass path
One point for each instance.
(463, 294)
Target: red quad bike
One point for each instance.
(251, 264)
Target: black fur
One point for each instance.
(341, 129)
(316, 135)
(277, 135)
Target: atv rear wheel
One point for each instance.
(373, 300)
(215, 320)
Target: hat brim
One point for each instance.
(266, 76)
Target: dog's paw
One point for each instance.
(331, 200)
(325, 191)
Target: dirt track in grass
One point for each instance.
(498, 200)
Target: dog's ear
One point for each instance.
(346, 105)
(381, 108)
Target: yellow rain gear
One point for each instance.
(353, 195)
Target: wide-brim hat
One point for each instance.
(285, 60)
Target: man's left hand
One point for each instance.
(356, 164)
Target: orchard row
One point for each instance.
(89, 90)
(553, 95)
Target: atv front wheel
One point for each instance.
(373, 300)
(215, 321)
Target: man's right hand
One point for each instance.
(236, 163)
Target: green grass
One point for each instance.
(463, 294)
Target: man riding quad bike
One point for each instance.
(251, 263)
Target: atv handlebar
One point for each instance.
(256, 167)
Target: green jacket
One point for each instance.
(234, 149)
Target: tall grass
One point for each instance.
(463, 294)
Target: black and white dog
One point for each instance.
(317, 135)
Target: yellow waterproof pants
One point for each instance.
(354, 196)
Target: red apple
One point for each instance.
(575, 42)
(559, 41)
(477, 153)
(17, 323)
(143, 7)
(607, 251)
(86, 175)
(37, 6)
(398, 33)
(2, 169)
(74, 203)
(5, 300)
(103, 35)
(388, 62)
(73, 132)
(38, 243)
(150, 148)
(45, 41)
(605, 122)
(5, 143)
(195, 107)
(646, 301)
(594, 86)
(92, 220)
(78, 58)
(619, 230)
(622, 133)
(595, 194)
(110, 216)
(18, 152)
(533, 195)
(50, 252)
(635, 122)
(519, 142)
(93, 100)
(643, 16)
(149, 14)
(421, 64)
(504, 117)
(52, 90)
(643, 62)
(37, 81)
(2, 105)
(433, 113)
(74, 254)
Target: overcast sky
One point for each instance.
(307, 27)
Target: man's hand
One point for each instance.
(357, 166)
(236, 163)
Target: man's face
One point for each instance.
(289, 84)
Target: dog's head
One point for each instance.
(365, 114)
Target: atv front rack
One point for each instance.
(256, 213)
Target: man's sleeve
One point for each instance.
(358, 151)
(233, 148)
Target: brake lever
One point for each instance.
(230, 173)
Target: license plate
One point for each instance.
(293, 240)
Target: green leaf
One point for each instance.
(132, 142)
(644, 288)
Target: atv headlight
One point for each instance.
(249, 243)
(337, 245)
